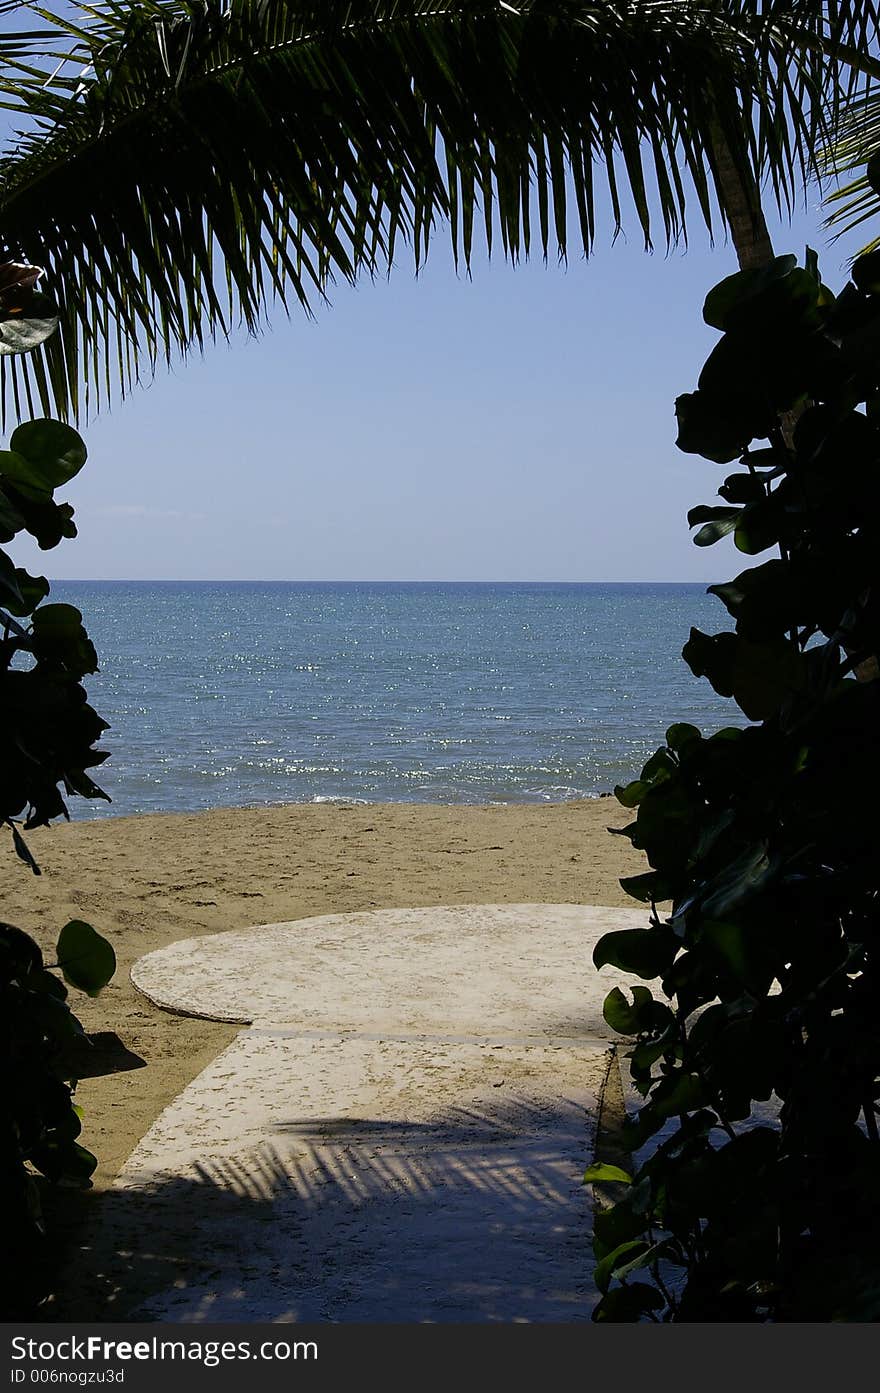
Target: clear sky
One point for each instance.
(518, 426)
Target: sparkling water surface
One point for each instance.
(231, 693)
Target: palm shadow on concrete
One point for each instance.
(478, 1214)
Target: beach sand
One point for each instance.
(147, 881)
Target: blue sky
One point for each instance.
(517, 426)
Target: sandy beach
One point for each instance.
(148, 881)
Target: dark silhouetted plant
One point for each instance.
(47, 734)
(754, 1190)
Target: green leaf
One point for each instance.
(769, 600)
(59, 637)
(753, 383)
(759, 526)
(669, 817)
(11, 519)
(645, 1056)
(34, 590)
(601, 1171)
(47, 454)
(731, 300)
(761, 676)
(17, 470)
(743, 488)
(638, 1130)
(31, 508)
(643, 952)
(647, 1258)
(660, 767)
(706, 428)
(643, 1016)
(650, 887)
(769, 458)
(620, 1015)
(606, 1268)
(21, 592)
(676, 1093)
(617, 1225)
(628, 1304)
(631, 794)
(86, 959)
(739, 880)
(680, 735)
(712, 656)
(866, 269)
(811, 263)
(79, 1164)
(10, 591)
(713, 531)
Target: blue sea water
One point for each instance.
(253, 693)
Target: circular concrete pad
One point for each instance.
(467, 970)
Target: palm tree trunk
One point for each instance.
(741, 205)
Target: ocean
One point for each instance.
(234, 694)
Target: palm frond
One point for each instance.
(854, 151)
(188, 164)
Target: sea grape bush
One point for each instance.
(47, 736)
(755, 1192)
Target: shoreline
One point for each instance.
(151, 879)
(331, 800)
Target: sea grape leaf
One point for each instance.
(11, 520)
(601, 1171)
(86, 958)
(645, 1014)
(59, 637)
(682, 734)
(52, 453)
(705, 428)
(628, 1303)
(730, 298)
(759, 526)
(866, 269)
(649, 887)
(643, 952)
(632, 1248)
(631, 794)
(10, 591)
(620, 1015)
(737, 881)
(761, 676)
(21, 592)
(678, 1092)
(40, 515)
(742, 488)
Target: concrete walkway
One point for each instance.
(399, 1135)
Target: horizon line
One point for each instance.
(304, 580)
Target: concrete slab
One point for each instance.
(400, 1137)
(304, 1180)
(484, 969)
